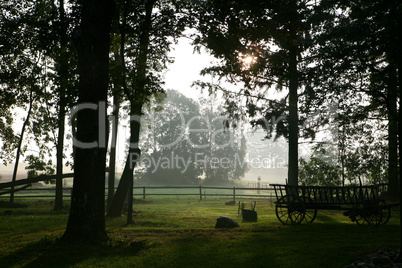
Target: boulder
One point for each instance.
(225, 222)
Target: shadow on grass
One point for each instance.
(49, 252)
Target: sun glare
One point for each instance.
(247, 61)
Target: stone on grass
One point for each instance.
(226, 222)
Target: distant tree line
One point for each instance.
(184, 141)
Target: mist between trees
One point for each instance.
(184, 141)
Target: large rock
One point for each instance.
(226, 222)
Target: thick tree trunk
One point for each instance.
(393, 138)
(293, 119)
(58, 204)
(87, 213)
(399, 62)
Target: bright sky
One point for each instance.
(186, 68)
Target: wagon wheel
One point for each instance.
(368, 213)
(290, 210)
(281, 210)
(297, 210)
(358, 213)
(385, 211)
(373, 213)
(310, 210)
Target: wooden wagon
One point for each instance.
(363, 204)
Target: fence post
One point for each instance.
(200, 193)
(234, 194)
(143, 192)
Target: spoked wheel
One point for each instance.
(282, 212)
(358, 214)
(374, 212)
(368, 213)
(297, 210)
(385, 211)
(290, 210)
(311, 210)
(374, 217)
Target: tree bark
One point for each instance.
(63, 69)
(119, 84)
(18, 153)
(136, 101)
(112, 160)
(399, 62)
(116, 206)
(293, 119)
(393, 189)
(86, 221)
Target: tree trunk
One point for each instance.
(86, 221)
(112, 160)
(293, 119)
(18, 153)
(58, 204)
(136, 102)
(116, 206)
(393, 189)
(399, 62)
(119, 83)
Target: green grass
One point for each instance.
(177, 232)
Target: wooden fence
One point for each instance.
(202, 192)
(144, 192)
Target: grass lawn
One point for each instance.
(176, 232)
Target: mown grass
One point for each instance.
(177, 232)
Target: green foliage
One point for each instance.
(226, 150)
(356, 67)
(184, 141)
(254, 43)
(30, 69)
(165, 151)
(36, 166)
(316, 171)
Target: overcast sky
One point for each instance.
(186, 68)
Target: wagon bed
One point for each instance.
(363, 204)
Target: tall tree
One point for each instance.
(137, 99)
(361, 60)
(224, 155)
(153, 26)
(166, 146)
(23, 73)
(261, 44)
(63, 75)
(92, 38)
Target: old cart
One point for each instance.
(363, 204)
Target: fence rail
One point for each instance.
(142, 192)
